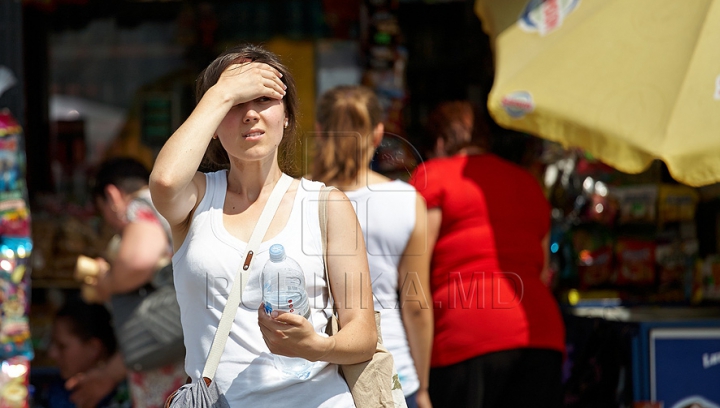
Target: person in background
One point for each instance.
(122, 196)
(246, 116)
(393, 218)
(499, 335)
(82, 339)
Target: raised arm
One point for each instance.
(175, 185)
(416, 299)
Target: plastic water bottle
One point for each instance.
(283, 286)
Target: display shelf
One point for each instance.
(647, 313)
(49, 283)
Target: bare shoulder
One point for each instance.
(340, 207)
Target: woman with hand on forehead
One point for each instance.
(244, 119)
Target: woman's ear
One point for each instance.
(378, 134)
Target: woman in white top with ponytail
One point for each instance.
(245, 116)
(393, 217)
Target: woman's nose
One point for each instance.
(251, 116)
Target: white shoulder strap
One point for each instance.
(322, 215)
(233, 302)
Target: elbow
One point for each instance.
(159, 181)
(370, 346)
(418, 316)
(161, 184)
(370, 339)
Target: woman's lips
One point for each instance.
(253, 135)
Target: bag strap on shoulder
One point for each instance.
(235, 296)
(322, 214)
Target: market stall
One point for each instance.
(627, 92)
(16, 246)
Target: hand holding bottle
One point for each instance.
(284, 316)
(288, 334)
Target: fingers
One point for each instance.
(256, 79)
(73, 381)
(276, 87)
(288, 318)
(246, 66)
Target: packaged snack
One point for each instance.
(637, 204)
(711, 278)
(635, 262)
(675, 265)
(595, 268)
(594, 249)
(676, 202)
(12, 160)
(14, 380)
(14, 298)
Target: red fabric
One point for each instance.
(488, 258)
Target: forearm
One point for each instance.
(121, 279)
(354, 343)
(142, 246)
(181, 155)
(115, 368)
(418, 324)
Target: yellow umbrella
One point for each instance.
(629, 81)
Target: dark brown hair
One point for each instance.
(125, 173)
(216, 157)
(88, 321)
(347, 116)
(459, 125)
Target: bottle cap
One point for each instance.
(277, 253)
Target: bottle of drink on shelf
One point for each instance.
(283, 286)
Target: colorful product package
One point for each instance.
(594, 257)
(677, 202)
(637, 204)
(675, 268)
(14, 298)
(710, 273)
(595, 268)
(14, 380)
(635, 262)
(14, 214)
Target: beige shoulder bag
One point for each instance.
(373, 383)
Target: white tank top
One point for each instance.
(386, 213)
(205, 267)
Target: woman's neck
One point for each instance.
(365, 177)
(249, 179)
(470, 150)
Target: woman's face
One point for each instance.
(72, 354)
(253, 130)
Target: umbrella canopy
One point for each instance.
(629, 81)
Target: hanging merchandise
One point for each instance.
(629, 238)
(15, 249)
